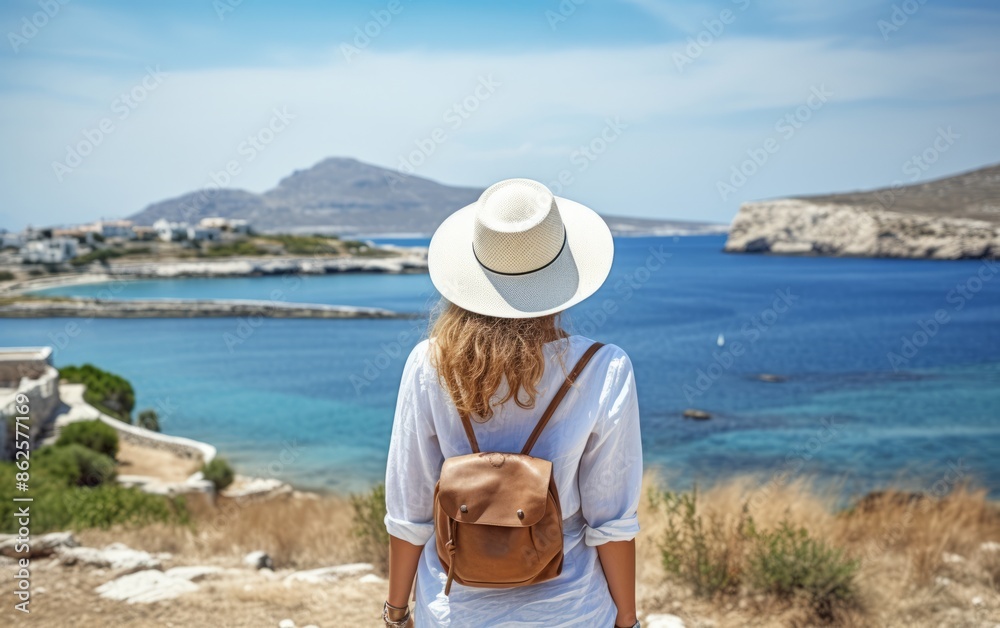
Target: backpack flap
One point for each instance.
(497, 489)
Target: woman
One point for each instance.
(505, 267)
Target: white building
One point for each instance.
(53, 251)
(170, 231)
(116, 229)
(26, 372)
(232, 225)
(203, 234)
(8, 239)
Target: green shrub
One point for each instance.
(149, 420)
(787, 562)
(715, 556)
(97, 255)
(369, 527)
(219, 473)
(701, 551)
(109, 393)
(6, 275)
(60, 504)
(95, 435)
(73, 465)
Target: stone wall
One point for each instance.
(184, 447)
(43, 401)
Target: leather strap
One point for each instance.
(570, 378)
(589, 353)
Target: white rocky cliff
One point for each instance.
(953, 218)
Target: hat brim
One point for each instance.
(576, 273)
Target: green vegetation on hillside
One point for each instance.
(219, 473)
(107, 392)
(73, 488)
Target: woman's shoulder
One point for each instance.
(609, 352)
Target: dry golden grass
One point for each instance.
(900, 541)
(899, 538)
(297, 532)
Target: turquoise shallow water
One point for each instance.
(311, 401)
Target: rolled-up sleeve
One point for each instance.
(611, 466)
(415, 458)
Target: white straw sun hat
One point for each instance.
(520, 252)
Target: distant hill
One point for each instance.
(949, 218)
(343, 195)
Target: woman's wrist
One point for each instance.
(396, 615)
(626, 620)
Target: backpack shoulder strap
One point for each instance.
(467, 424)
(570, 378)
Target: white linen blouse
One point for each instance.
(593, 442)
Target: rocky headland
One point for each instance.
(955, 217)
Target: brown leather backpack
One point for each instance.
(497, 516)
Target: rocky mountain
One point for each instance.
(951, 218)
(346, 196)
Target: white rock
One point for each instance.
(115, 556)
(663, 621)
(258, 560)
(952, 558)
(286, 623)
(193, 572)
(146, 586)
(370, 578)
(38, 546)
(941, 581)
(990, 546)
(328, 574)
(978, 601)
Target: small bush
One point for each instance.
(94, 435)
(716, 556)
(149, 420)
(219, 473)
(109, 393)
(787, 562)
(74, 465)
(369, 527)
(6, 275)
(698, 550)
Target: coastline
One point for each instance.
(183, 308)
(410, 260)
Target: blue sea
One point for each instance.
(889, 369)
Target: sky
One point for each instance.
(645, 108)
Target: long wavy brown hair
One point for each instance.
(474, 353)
